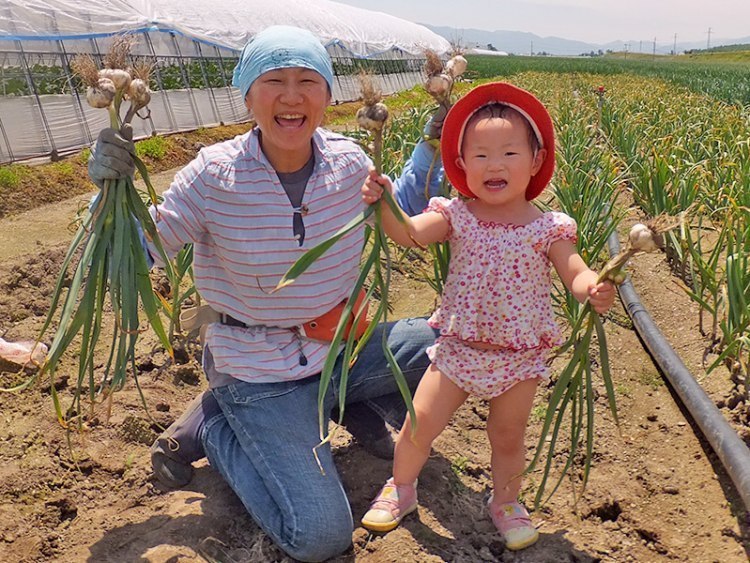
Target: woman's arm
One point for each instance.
(580, 280)
(420, 179)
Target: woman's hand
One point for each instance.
(601, 296)
(111, 156)
(372, 189)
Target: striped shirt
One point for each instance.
(230, 204)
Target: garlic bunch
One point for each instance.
(108, 87)
(119, 77)
(439, 81)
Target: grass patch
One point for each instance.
(651, 378)
(624, 390)
(458, 465)
(10, 176)
(539, 412)
(155, 148)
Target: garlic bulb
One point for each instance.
(642, 238)
(456, 66)
(101, 95)
(617, 277)
(119, 77)
(139, 94)
(439, 86)
(372, 117)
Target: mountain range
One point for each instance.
(523, 43)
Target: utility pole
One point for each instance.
(674, 49)
(708, 41)
(532, 49)
(654, 52)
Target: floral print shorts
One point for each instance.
(487, 373)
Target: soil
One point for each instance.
(656, 492)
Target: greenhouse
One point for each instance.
(192, 45)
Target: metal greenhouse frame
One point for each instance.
(42, 103)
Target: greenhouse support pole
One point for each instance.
(160, 83)
(235, 116)
(32, 86)
(197, 119)
(74, 93)
(731, 450)
(7, 142)
(214, 105)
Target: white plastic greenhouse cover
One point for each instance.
(40, 33)
(225, 23)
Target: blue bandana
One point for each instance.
(281, 46)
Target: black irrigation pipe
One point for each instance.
(732, 451)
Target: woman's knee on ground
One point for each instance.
(321, 538)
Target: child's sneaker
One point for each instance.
(512, 520)
(390, 506)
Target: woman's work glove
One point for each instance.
(112, 155)
(434, 127)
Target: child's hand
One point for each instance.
(372, 189)
(601, 296)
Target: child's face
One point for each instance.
(498, 159)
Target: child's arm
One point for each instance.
(420, 230)
(580, 280)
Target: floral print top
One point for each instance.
(499, 279)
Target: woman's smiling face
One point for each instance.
(288, 104)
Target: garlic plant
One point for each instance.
(439, 84)
(112, 271)
(574, 388)
(375, 269)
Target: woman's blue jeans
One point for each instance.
(263, 444)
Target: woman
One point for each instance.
(251, 206)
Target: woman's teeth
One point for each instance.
(290, 119)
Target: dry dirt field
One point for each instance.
(657, 492)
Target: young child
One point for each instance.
(496, 320)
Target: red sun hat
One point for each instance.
(497, 92)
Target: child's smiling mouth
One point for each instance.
(497, 184)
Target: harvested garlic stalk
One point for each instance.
(642, 238)
(372, 117)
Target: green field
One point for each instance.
(724, 75)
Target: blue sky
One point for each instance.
(595, 21)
